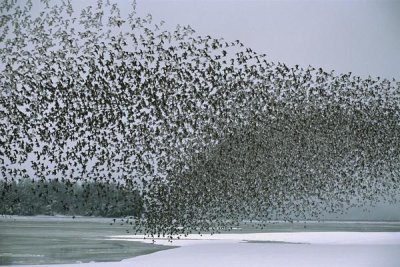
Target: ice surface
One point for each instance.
(325, 238)
(333, 249)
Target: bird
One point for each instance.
(200, 131)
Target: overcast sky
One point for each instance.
(358, 36)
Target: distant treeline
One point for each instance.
(32, 197)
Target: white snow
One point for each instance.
(304, 249)
(326, 238)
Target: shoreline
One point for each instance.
(107, 219)
(96, 243)
(300, 249)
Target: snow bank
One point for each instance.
(327, 238)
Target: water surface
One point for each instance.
(56, 240)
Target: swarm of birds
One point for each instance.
(210, 132)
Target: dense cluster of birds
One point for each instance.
(209, 131)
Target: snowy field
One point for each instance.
(326, 249)
(372, 245)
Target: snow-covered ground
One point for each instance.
(304, 249)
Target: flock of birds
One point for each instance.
(209, 131)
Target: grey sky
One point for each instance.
(358, 36)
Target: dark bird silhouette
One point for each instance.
(197, 133)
